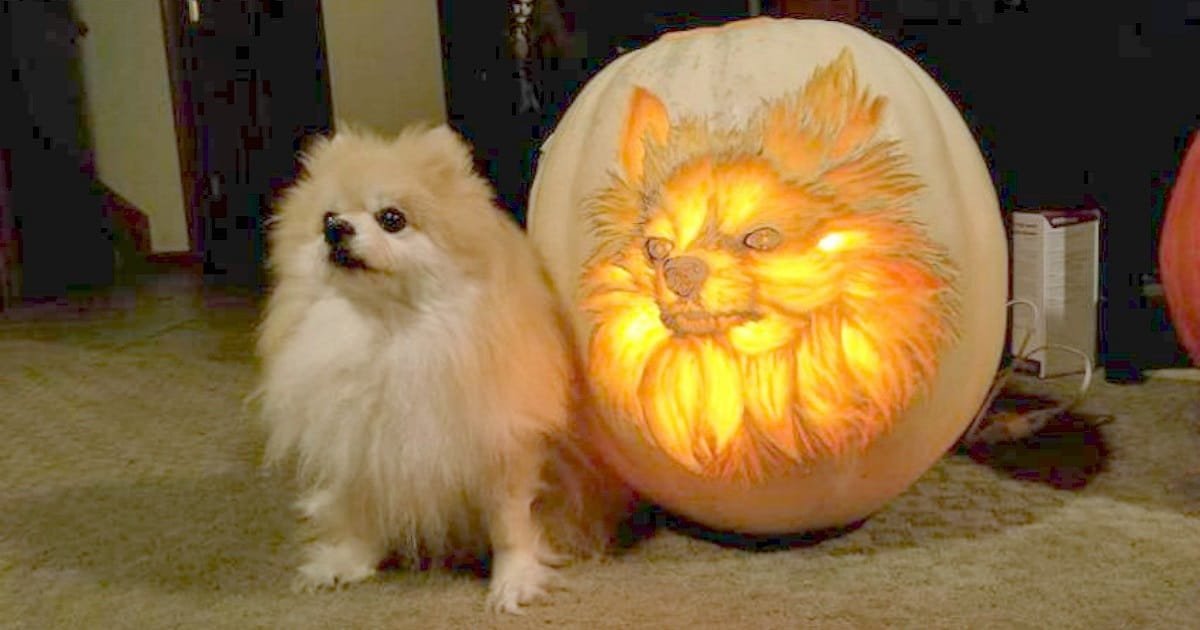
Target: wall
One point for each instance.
(384, 62)
(385, 71)
(129, 109)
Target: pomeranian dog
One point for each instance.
(416, 367)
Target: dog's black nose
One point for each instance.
(336, 229)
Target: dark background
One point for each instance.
(1072, 102)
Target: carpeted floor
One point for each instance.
(130, 497)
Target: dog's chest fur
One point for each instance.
(397, 407)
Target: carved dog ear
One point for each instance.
(827, 121)
(647, 121)
(829, 132)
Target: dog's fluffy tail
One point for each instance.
(584, 502)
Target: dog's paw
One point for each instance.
(334, 566)
(520, 579)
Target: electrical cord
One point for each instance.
(1008, 426)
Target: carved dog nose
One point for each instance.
(685, 275)
(336, 229)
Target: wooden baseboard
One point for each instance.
(128, 230)
(131, 237)
(130, 226)
(174, 261)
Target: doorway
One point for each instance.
(507, 108)
(250, 83)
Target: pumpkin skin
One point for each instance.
(786, 267)
(1179, 252)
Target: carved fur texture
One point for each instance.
(763, 296)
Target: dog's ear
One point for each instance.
(647, 121)
(449, 149)
(314, 147)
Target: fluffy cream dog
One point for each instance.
(415, 364)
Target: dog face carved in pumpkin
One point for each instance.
(762, 295)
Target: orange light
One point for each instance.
(807, 349)
(840, 241)
(763, 335)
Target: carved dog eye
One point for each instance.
(658, 248)
(763, 239)
(391, 219)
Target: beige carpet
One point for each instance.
(130, 498)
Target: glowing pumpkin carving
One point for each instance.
(767, 244)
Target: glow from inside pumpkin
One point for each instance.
(760, 335)
(836, 241)
(737, 351)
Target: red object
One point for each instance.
(1179, 251)
(8, 235)
(839, 10)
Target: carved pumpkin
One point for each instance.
(1179, 252)
(787, 268)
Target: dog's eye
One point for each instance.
(658, 248)
(391, 219)
(763, 239)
